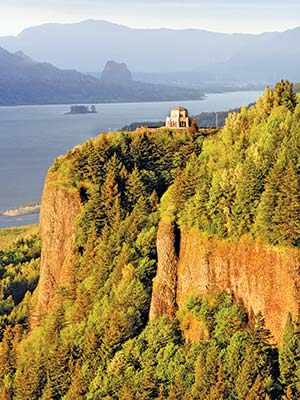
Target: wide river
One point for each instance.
(31, 137)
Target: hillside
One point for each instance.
(26, 82)
(146, 50)
(217, 58)
(23, 82)
(255, 63)
(169, 267)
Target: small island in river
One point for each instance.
(82, 110)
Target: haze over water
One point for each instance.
(32, 137)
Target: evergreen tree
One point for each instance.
(264, 224)
(284, 95)
(287, 211)
(135, 189)
(201, 386)
(217, 209)
(247, 375)
(257, 391)
(287, 354)
(196, 208)
(248, 194)
(267, 101)
(186, 182)
(110, 199)
(218, 390)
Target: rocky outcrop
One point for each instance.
(117, 73)
(60, 207)
(264, 278)
(164, 285)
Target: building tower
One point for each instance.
(179, 119)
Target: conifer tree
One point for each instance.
(247, 375)
(218, 390)
(135, 188)
(284, 95)
(267, 101)
(287, 211)
(177, 390)
(287, 354)
(110, 199)
(264, 224)
(257, 391)
(77, 389)
(196, 208)
(216, 207)
(247, 198)
(201, 386)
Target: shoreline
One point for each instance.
(22, 210)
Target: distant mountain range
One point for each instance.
(274, 58)
(198, 54)
(25, 81)
(86, 46)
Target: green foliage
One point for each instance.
(19, 273)
(289, 359)
(246, 180)
(98, 343)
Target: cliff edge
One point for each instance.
(262, 277)
(60, 207)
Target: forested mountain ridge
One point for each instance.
(255, 63)
(25, 82)
(146, 50)
(124, 208)
(217, 57)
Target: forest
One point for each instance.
(98, 342)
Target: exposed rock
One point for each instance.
(164, 285)
(117, 73)
(263, 277)
(60, 206)
(23, 82)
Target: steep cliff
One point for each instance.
(60, 206)
(165, 283)
(262, 277)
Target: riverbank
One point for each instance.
(22, 210)
(33, 136)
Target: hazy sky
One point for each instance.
(216, 15)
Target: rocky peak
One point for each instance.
(116, 73)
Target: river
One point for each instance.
(32, 137)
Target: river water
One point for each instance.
(31, 137)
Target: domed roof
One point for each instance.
(180, 109)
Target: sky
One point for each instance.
(215, 15)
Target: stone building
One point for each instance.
(179, 119)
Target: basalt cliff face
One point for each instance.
(60, 207)
(164, 285)
(262, 277)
